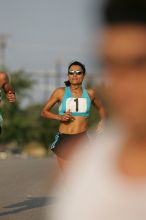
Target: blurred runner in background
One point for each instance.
(7, 88)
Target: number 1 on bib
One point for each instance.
(77, 104)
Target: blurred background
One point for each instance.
(38, 39)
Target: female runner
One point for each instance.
(74, 108)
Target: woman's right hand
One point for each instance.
(66, 117)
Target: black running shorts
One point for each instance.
(66, 144)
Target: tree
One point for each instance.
(15, 117)
(25, 125)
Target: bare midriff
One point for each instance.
(78, 125)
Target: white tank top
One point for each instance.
(95, 189)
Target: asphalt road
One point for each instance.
(26, 188)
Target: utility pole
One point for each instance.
(58, 72)
(3, 45)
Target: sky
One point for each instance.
(43, 31)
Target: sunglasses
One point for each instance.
(72, 72)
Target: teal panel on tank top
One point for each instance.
(78, 106)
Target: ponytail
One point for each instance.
(67, 83)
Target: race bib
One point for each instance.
(76, 105)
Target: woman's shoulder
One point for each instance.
(59, 91)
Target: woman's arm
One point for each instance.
(7, 88)
(56, 97)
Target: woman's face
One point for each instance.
(75, 75)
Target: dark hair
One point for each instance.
(67, 83)
(76, 63)
(125, 11)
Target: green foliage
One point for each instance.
(22, 84)
(22, 126)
